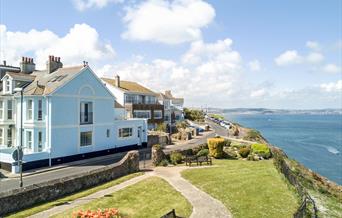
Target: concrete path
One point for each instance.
(59, 209)
(204, 206)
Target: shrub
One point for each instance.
(176, 157)
(216, 147)
(157, 146)
(237, 145)
(228, 143)
(161, 127)
(188, 152)
(229, 153)
(195, 115)
(244, 151)
(262, 150)
(203, 152)
(163, 163)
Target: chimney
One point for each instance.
(117, 81)
(168, 93)
(4, 63)
(26, 65)
(53, 64)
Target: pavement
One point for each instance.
(203, 205)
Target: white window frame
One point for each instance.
(9, 139)
(1, 109)
(158, 111)
(123, 135)
(1, 136)
(142, 111)
(91, 139)
(40, 110)
(28, 140)
(40, 141)
(8, 85)
(9, 110)
(29, 110)
(90, 114)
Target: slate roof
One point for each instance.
(128, 86)
(45, 84)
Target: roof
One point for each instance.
(128, 86)
(44, 83)
(21, 76)
(117, 105)
(169, 96)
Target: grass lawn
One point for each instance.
(152, 197)
(247, 188)
(48, 205)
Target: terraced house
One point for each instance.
(68, 114)
(173, 107)
(139, 101)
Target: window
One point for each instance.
(86, 138)
(1, 136)
(125, 132)
(9, 110)
(1, 110)
(9, 137)
(158, 114)
(108, 133)
(166, 118)
(8, 85)
(86, 113)
(29, 109)
(142, 114)
(40, 141)
(29, 140)
(40, 109)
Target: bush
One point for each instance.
(176, 157)
(163, 163)
(228, 143)
(237, 145)
(229, 153)
(188, 152)
(195, 115)
(161, 127)
(244, 151)
(216, 147)
(110, 213)
(203, 152)
(262, 150)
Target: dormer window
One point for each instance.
(8, 85)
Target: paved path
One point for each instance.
(59, 209)
(204, 206)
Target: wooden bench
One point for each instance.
(171, 214)
(189, 159)
(204, 159)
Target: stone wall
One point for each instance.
(157, 139)
(18, 199)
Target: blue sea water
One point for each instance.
(313, 140)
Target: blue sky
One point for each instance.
(280, 54)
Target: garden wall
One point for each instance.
(18, 199)
(157, 139)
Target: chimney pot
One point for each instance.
(4, 63)
(117, 81)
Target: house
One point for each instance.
(139, 101)
(173, 107)
(68, 114)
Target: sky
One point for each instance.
(223, 53)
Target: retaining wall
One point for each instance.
(18, 199)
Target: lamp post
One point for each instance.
(20, 147)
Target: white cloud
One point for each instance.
(82, 5)
(258, 93)
(331, 68)
(313, 45)
(170, 22)
(315, 57)
(332, 87)
(254, 65)
(70, 48)
(288, 58)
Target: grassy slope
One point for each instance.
(45, 206)
(152, 197)
(247, 188)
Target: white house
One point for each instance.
(173, 107)
(68, 114)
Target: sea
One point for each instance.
(313, 140)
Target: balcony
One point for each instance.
(86, 118)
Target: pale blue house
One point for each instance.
(68, 114)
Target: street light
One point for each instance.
(20, 147)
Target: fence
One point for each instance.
(308, 207)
